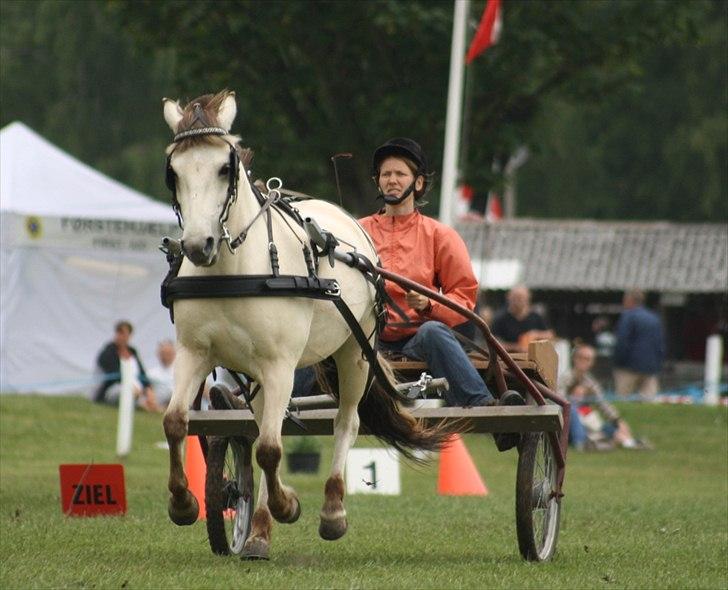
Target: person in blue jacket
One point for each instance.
(640, 348)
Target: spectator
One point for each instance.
(518, 324)
(162, 374)
(604, 338)
(485, 312)
(639, 350)
(108, 363)
(594, 423)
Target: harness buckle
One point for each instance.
(227, 238)
(335, 290)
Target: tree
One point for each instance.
(70, 73)
(653, 149)
(317, 78)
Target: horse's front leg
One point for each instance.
(352, 370)
(258, 542)
(282, 500)
(189, 371)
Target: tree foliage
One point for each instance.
(655, 149)
(69, 72)
(568, 79)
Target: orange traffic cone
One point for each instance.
(196, 471)
(458, 475)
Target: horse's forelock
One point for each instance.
(202, 112)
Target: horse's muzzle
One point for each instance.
(200, 253)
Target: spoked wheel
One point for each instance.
(229, 494)
(537, 508)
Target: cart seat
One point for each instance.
(540, 361)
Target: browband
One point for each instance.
(199, 131)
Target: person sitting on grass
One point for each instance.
(162, 374)
(108, 365)
(595, 424)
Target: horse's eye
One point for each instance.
(225, 170)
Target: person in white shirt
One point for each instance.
(162, 374)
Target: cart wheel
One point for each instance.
(229, 494)
(537, 507)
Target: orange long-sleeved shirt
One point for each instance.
(430, 253)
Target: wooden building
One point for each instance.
(579, 269)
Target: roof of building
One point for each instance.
(599, 255)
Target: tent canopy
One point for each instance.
(78, 252)
(40, 179)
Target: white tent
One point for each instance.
(78, 252)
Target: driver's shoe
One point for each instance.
(507, 440)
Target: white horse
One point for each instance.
(266, 337)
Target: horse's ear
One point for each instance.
(227, 111)
(172, 113)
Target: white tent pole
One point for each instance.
(126, 408)
(454, 111)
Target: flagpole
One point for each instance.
(454, 111)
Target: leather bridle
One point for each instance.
(233, 165)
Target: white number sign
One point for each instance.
(372, 471)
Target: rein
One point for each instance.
(274, 195)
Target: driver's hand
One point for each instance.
(417, 301)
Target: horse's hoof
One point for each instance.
(294, 517)
(255, 549)
(184, 513)
(331, 530)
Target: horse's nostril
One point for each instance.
(209, 243)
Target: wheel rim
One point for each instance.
(240, 500)
(544, 505)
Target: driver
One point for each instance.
(434, 255)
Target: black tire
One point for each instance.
(538, 509)
(229, 488)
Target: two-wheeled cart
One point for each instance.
(228, 435)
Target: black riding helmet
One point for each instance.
(405, 147)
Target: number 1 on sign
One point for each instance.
(372, 483)
(372, 471)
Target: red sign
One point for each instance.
(89, 490)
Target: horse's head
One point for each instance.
(202, 170)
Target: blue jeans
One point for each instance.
(577, 432)
(435, 344)
(303, 381)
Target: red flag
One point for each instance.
(493, 209)
(488, 30)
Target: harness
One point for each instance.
(320, 244)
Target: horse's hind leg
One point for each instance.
(282, 500)
(352, 370)
(189, 372)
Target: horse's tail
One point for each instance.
(382, 411)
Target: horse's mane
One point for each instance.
(202, 112)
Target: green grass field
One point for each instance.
(630, 519)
